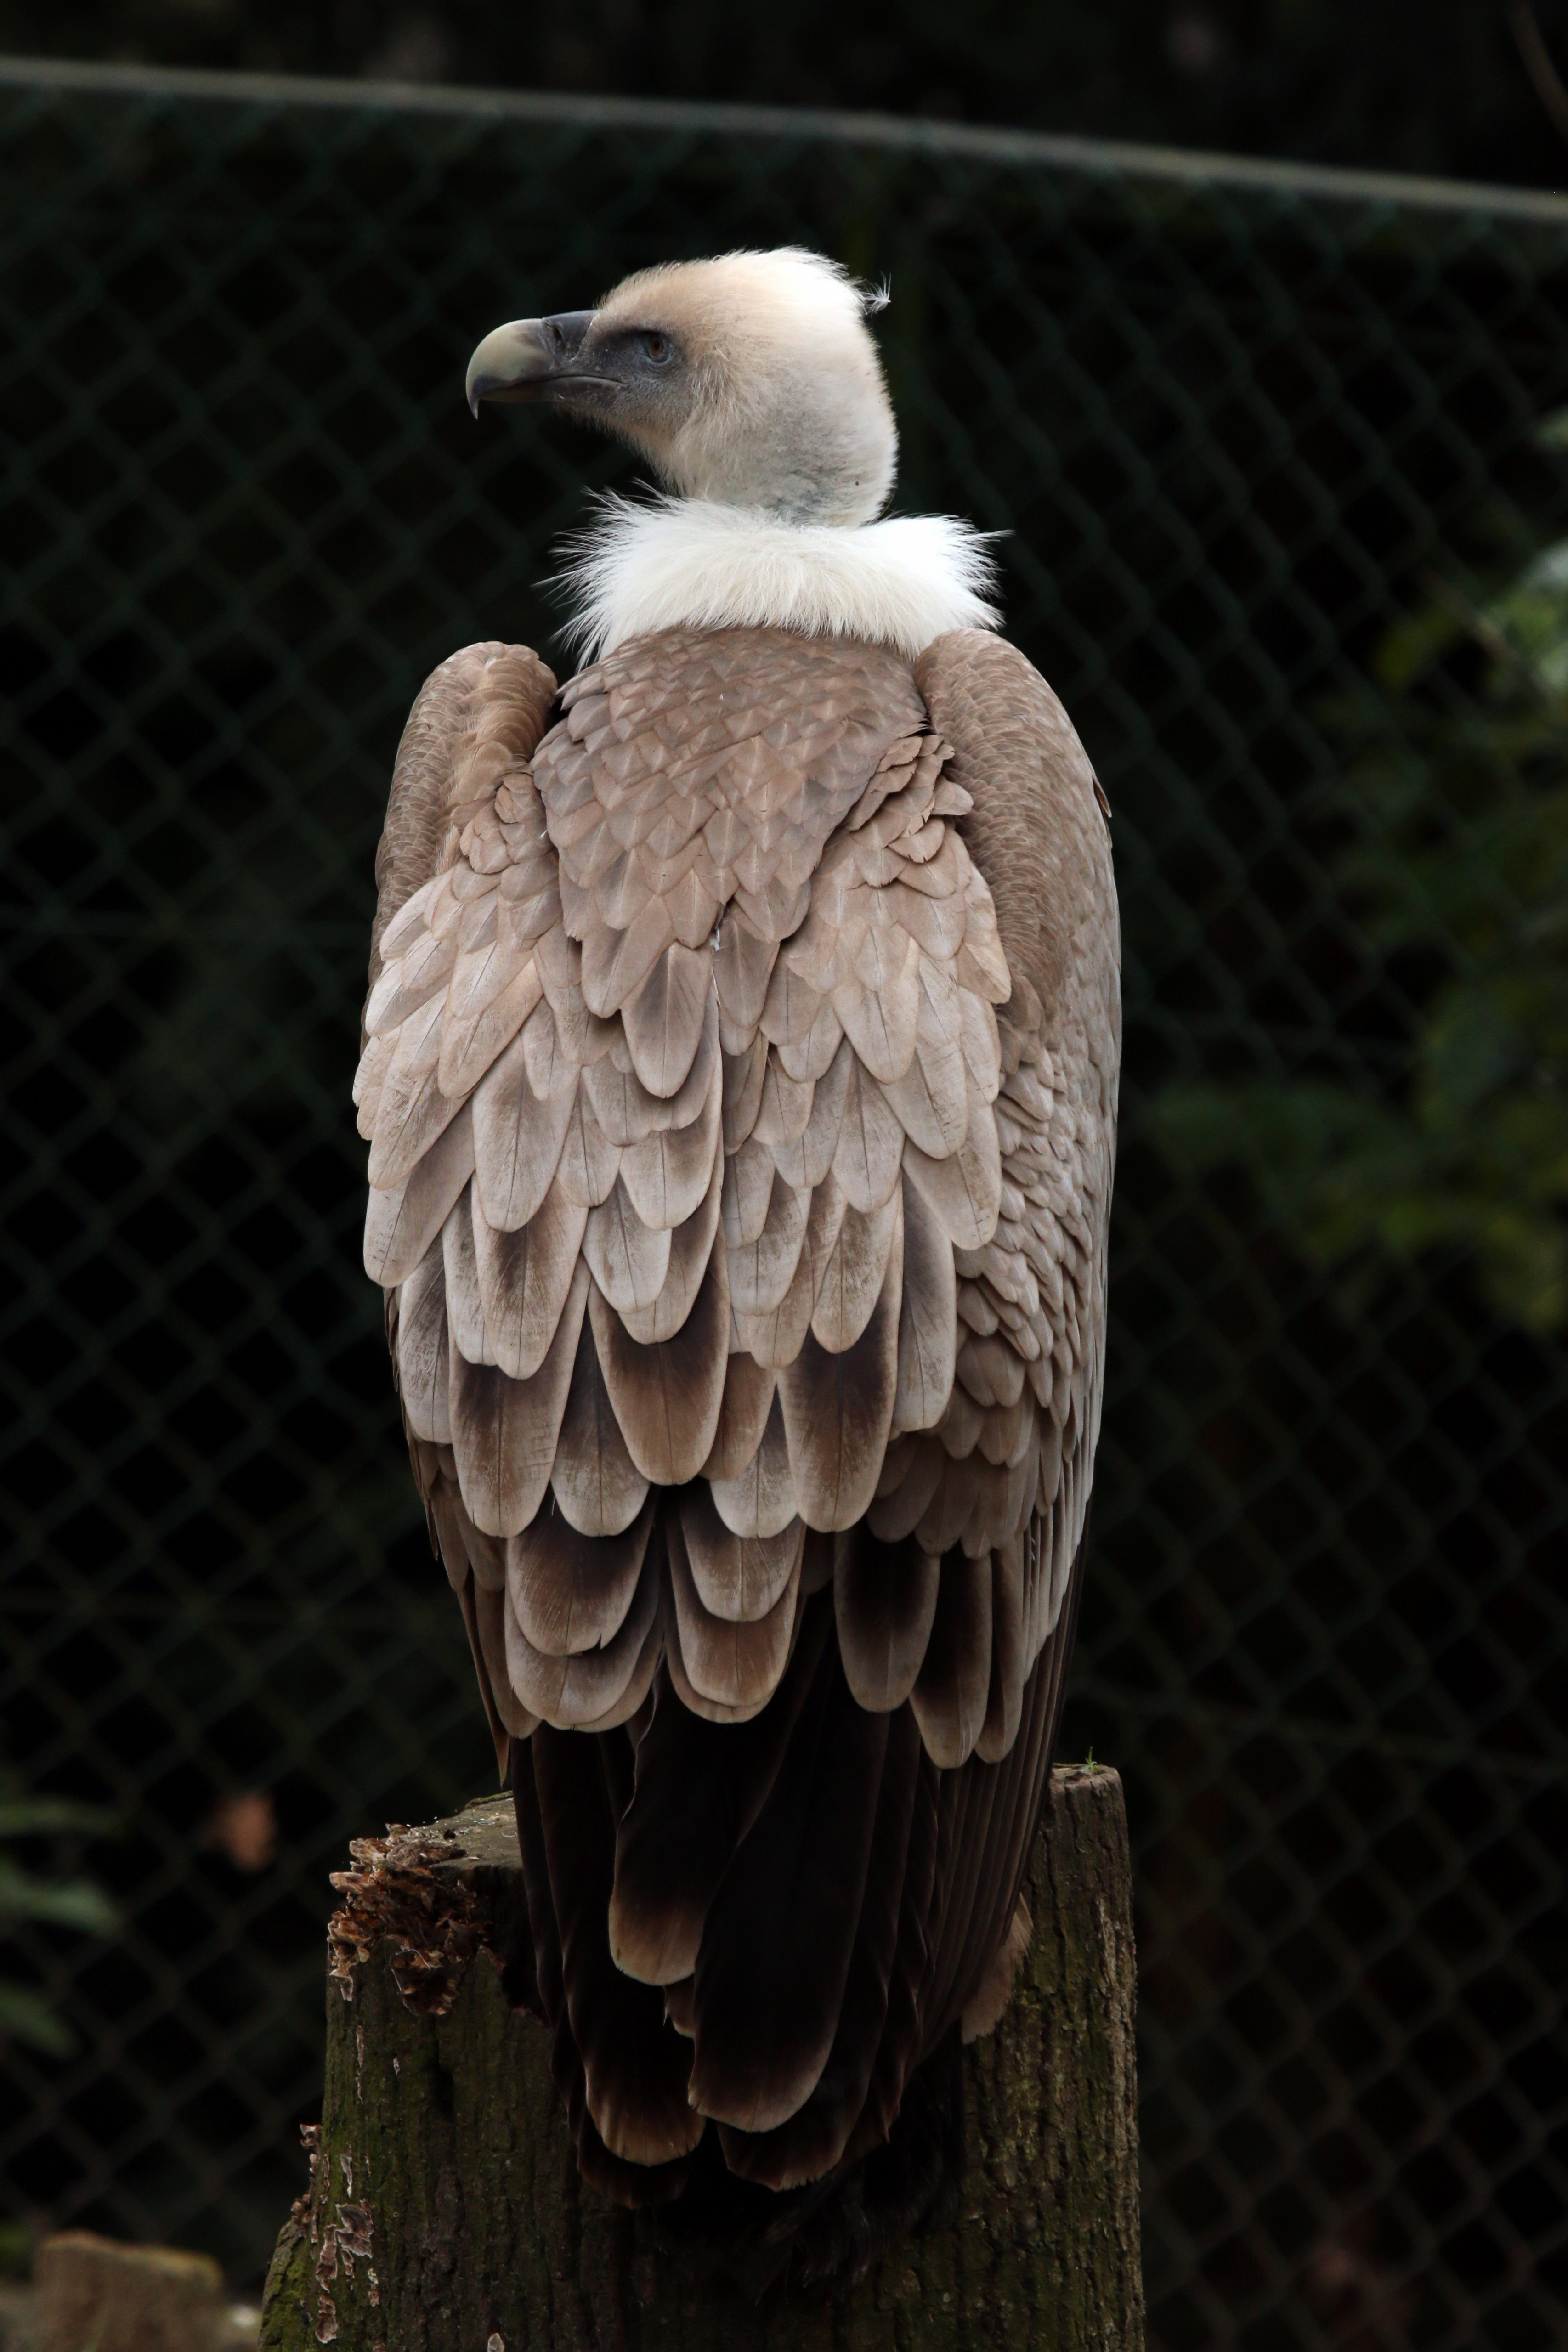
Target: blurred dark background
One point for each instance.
(1427, 85)
(1281, 467)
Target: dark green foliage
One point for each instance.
(1454, 802)
(28, 1895)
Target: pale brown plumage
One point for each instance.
(740, 1084)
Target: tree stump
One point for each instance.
(96, 2292)
(445, 2212)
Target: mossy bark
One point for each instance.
(445, 2213)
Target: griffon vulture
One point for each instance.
(740, 1082)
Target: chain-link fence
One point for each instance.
(1234, 421)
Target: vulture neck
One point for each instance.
(673, 563)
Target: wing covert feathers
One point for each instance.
(739, 1085)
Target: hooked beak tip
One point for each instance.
(526, 358)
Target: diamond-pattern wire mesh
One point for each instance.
(1232, 428)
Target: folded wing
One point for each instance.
(740, 1187)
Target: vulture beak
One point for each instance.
(533, 359)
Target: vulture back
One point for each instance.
(740, 1079)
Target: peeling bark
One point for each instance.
(446, 2214)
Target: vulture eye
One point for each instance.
(659, 348)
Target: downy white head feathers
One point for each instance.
(752, 385)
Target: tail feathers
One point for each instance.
(625, 2183)
(780, 1933)
(637, 2065)
(839, 2225)
(911, 2181)
(898, 2050)
(699, 1787)
(622, 2182)
(549, 2003)
(776, 1926)
(814, 2139)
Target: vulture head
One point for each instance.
(749, 381)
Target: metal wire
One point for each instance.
(1230, 423)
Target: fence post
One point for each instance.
(446, 2214)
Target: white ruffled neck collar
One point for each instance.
(667, 563)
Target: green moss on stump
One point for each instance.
(446, 2212)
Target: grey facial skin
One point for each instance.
(750, 380)
(570, 362)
